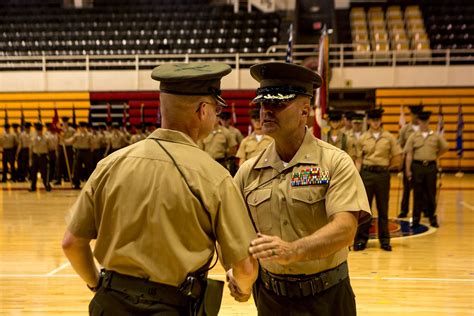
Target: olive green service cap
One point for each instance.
(281, 82)
(192, 79)
(357, 118)
(374, 113)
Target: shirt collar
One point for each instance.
(307, 154)
(172, 136)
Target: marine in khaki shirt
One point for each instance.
(305, 197)
(220, 143)
(155, 213)
(422, 150)
(256, 142)
(357, 127)
(39, 157)
(377, 151)
(337, 137)
(224, 120)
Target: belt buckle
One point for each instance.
(425, 163)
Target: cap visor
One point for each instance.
(220, 100)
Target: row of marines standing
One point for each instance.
(65, 152)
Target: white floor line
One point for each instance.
(469, 206)
(61, 267)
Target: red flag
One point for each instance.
(109, 113)
(124, 116)
(402, 120)
(55, 121)
(322, 95)
(142, 114)
(234, 115)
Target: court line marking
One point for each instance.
(61, 267)
(469, 206)
(221, 275)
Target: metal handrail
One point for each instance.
(341, 55)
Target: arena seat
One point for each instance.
(150, 27)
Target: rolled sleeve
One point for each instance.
(234, 229)
(409, 144)
(346, 192)
(82, 220)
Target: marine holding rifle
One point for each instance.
(156, 209)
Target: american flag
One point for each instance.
(440, 128)
(39, 115)
(289, 57)
(6, 116)
(74, 123)
(55, 121)
(460, 127)
(322, 92)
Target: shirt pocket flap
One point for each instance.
(308, 195)
(259, 196)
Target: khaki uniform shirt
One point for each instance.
(146, 221)
(218, 142)
(377, 152)
(8, 141)
(67, 133)
(53, 140)
(297, 200)
(40, 145)
(251, 147)
(117, 140)
(235, 132)
(425, 148)
(82, 140)
(25, 140)
(96, 141)
(137, 137)
(349, 143)
(405, 133)
(355, 135)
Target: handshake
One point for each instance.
(263, 248)
(240, 295)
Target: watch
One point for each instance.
(97, 287)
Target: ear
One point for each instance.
(306, 110)
(202, 110)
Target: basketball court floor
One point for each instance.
(430, 273)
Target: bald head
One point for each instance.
(180, 107)
(190, 114)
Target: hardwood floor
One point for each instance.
(432, 274)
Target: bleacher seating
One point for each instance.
(380, 30)
(166, 27)
(450, 25)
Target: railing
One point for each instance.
(340, 55)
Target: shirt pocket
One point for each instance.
(307, 211)
(418, 142)
(259, 203)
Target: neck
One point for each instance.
(258, 132)
(288, 145)
(375, 130)
(191, 131)
(424, 128)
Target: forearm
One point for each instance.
(408, 162)
(245, 273)
(79, 253)
(358, 164)
(396, 162)
(337, 234)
